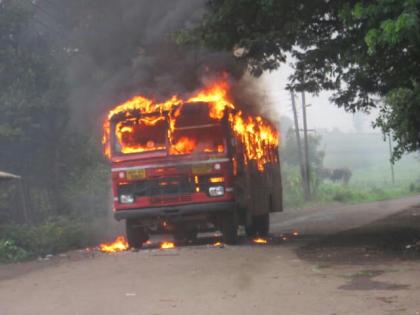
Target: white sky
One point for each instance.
(322, 114)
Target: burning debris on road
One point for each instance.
(260, 241)
(119, 245)
(167, 245)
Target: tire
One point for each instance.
(261, 224)
(229, 228)
(192, 236)
(183, 235)
(250, 230)
(136, 235)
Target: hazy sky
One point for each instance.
(322, 114)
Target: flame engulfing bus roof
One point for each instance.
(174, 126)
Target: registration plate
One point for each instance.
(201, 169)
(136, 174)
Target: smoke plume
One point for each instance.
(118, 49)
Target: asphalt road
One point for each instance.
(244, 279)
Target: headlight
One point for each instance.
(216, 191)
(126, 198)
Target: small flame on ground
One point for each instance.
(119, 245)
(217, 244)
(167, 245)
(260, 241)
(295, 233)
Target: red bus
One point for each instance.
(191, 167)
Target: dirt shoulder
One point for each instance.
(394, 238)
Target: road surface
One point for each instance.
(293, 274)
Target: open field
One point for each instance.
(367, 155)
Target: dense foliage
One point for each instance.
(365, 51)
(36, 139)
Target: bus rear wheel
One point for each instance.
(229, 228)
(250, 230)
(136, 234)
(185, 235)
(261, 224)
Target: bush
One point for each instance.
(292, 187)
(51, 237)
(10, 252)
(361, 193)
(415, 187)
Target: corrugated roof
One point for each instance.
(4, 175)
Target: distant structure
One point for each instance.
(8, 176)
(20, 212)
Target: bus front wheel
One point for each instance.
(136, 234)
(229, 228)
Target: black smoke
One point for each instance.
(118, 49)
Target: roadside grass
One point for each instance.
(357, 191)
(59, 234)
(328, 192)
(20, 242)
(361, 193)
(367, 157)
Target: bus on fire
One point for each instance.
(198, 165)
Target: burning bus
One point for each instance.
(193, 165)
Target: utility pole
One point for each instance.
(390, 159)
(299, 149)
(306, 146)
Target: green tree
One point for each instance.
(32, 103)
(58, 163)
(362, 50)
(290, 155)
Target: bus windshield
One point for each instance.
(198, 139)
(193, 132)
(141, 135)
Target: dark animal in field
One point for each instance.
(336, 175)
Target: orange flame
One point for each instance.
(255, 134)
(167, 245)
(119, 245)
(217, 96)
(183, 146)
(260, 241)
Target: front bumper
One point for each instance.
(174, 211)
